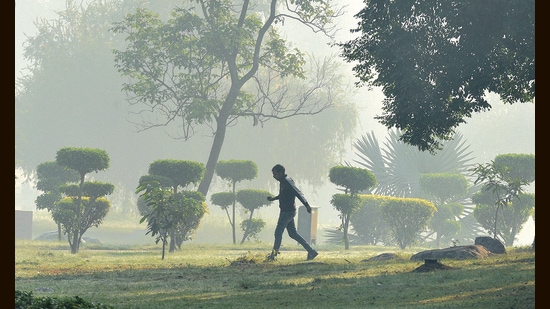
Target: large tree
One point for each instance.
(219, 61)
(436, 61)
(70, 68)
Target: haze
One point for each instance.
(504, 129)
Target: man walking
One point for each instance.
(287, 194)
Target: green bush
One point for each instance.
(368, 222)
(407, 218)
(517, 165)
(25, 300)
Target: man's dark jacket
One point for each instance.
(287, 194)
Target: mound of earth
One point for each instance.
(382, 257)
(456, 253)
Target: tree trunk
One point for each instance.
(172, 242)
(346, 238)
(76, 233)
(495, 227)
(233, 225)
(221, 123)
(247, 229)
(215, 150)
(59, 231)
(74, 245)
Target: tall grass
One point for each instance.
(237, 276)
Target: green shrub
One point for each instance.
(25, 300)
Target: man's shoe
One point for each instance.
(311, 255)
(272, 256)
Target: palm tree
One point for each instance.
(398, 166)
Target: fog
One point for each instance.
(504, 129)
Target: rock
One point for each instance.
(456, 253)
(382, 257)
(491, 244)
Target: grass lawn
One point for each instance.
(237, 276)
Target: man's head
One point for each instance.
(278, 171)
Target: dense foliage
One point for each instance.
(27, 300)
(511, 217)
(502, 184)
(407, 218)
(436, 61)
(83, 205)
(517, 165)
(443, 189)
(368, 223)
(50, 176)
(352, 179)
(172, 212)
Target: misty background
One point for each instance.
(107, 124)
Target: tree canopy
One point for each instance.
(236, 170)
(436, 61)
(83, 160)
(353, 179)
(195, 68)
(180, 172)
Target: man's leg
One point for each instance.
(293, 233)
(282, 222)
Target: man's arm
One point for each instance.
(299, 194)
